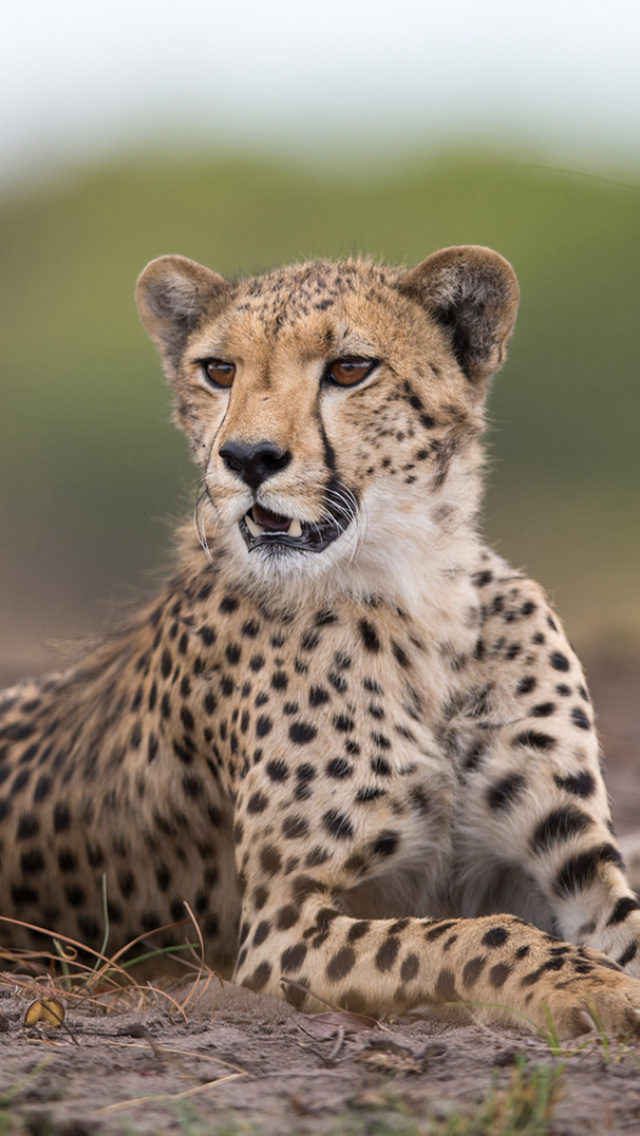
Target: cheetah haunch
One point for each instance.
(350, 736)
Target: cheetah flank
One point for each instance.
(349, 735)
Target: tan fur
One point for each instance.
(364, 762)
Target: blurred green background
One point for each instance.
(91, 471)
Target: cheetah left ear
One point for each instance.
(472, 292)
(173, 295)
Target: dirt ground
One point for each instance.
(251, 1065)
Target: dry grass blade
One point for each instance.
(372, 1023)
(167, 1096)
(182, 1053)
(87, 978)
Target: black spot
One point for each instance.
(251, 628)
(261, 932)
(257, 803)
(370, 793)
(337, 681)
(627, 956)
(472, 970)
(535, 739)
(498, 974)
(186, 717)
(387, 953)
(400, 655)
(22, 895)
(293, 957)
(337, 824)
(341, 964)
(264, 726)
(318, 695)
(22, 779)
(580, 871)
(438, 930)
(622, 908)
(166, 663)
(43, 788)
(277, 770)
(67, 860)
(409, 968)
(279, 680)
(505, 793)
(581, 784)
(381, 766)
(302, 732)
(369, 635)
(287, 917)
(579, 718)
(385, 843)
(256, 662)
(474, 757)
(552, 964)
(495, 937)
(309, 641)
(28, 826)
(558, 661)
(526, 685)
(339, 768)
(61, 818)
(259, 978)
(270, 860)
(294, 827)
(32, 861)
(481, 579)
(127, 884)
(228, 604)
(559, 825)
(543, 710)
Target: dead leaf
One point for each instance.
(49, 1011)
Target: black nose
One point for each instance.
(254, 463)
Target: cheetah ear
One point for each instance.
(173, 294)
(472, 292)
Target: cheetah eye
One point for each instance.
(349, 371)
(217, 372)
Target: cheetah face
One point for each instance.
(332, 407)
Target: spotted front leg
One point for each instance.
(493, 969)
(533, 796)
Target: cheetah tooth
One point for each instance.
(295, 528)
(254, 528)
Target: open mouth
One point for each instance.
(261, 528)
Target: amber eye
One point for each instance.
(218, 373)
(347, 372)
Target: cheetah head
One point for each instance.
(333, 408)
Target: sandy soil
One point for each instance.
(254, 1065)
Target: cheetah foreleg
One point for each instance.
(493, 969)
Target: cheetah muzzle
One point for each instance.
(348, 735)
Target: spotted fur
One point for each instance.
(369, 764)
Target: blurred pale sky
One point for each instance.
(86, 76)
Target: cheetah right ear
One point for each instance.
(472, 292)
(173, 295)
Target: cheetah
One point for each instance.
(348, 734)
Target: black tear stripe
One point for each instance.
(328, 450)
